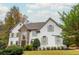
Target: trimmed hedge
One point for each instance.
(48, 48)
(28, 47)
(13, 50)
(44, 48)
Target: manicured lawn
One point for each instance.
(52, 52)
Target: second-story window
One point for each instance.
(50, 28)
(17, 35)
(12, 34)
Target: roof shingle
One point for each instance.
(35, 26)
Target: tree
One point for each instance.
(36, 43)
(2, 44)
(68, 42)
(70, 25)
(12, 18)
(15, 13)
(10, 23)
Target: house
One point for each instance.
(48, 33)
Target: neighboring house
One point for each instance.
(48, 33)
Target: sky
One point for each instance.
(37, 12)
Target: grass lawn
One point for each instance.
(52, 52)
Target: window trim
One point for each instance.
(44, 40)
(34, 33)
(17, 42)
(11, 42)
(12, 34)
(57, 41)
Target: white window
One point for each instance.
(44, 40)
(34, 33)
(11, 43)
(17, 35)
(12, 34)
(17, 43)
(57, 40)
(50, 28)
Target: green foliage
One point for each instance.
(68, 42)
(44, 48)
(73, 45)
(58, 48)
(28, 47)
(48, 48)
(36, 44)
(39, 49)
(62, 48)
(1, 52)
(11, 19)
(15, 13)
(12, 50)
(2, 45)
(52, 48)
(70, 26)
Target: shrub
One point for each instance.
(52, 48)
(39, 49)
(62, 48)
(1, 52)
(58, 48)
(12, 50)
(43, 48)
(2, 45)
(36, 44)
(48, 48)
(28, 47)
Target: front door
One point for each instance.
(23, 42)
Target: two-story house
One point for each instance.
(48, 33)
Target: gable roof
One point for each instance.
(35, 26)
(39, 25)
(54, 22)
